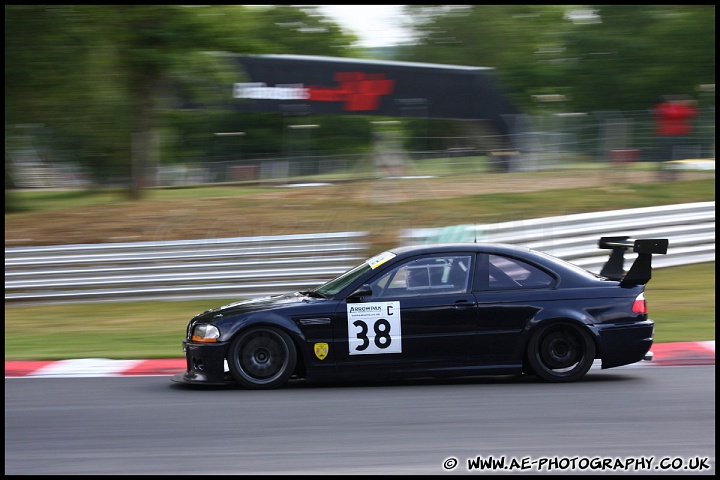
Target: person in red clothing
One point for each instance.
(674, 124)
(674, 116)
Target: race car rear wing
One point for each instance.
(641, 270)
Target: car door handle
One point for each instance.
(462, 305)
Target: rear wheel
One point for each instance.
(262, 358)
(561, 352)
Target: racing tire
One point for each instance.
(561, 352)
(262, 358)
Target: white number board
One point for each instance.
(374, 328)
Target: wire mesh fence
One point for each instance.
(535, 142)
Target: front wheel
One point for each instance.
(561, 352)
(262, 358)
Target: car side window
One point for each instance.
(505, 273)
(426, 276)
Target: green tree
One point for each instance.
(606, 57)
(509, 38)
(631, 55)
(43, 83)
(101, 78)
(97, 76)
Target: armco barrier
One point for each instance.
(690, 228)
(254, 266)
(194, 269)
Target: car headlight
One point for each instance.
(205, 332)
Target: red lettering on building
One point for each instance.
(359, 91)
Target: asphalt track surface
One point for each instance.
(627, 420)
(665, 354)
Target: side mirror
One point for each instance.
(364, 291)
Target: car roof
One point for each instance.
(571, 273)
(479, 247)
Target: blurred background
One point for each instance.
(119, 127)
(96, 96)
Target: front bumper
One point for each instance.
(205, 364)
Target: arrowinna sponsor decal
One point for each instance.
(364, 309)
(358, 91)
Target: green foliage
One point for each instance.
(101, 85)
(95, 78)
(609, 57)
(302, 31)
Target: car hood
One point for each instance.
(255, 304)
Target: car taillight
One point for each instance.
(640, 305)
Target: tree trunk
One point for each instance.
(143, 149)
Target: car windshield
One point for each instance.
(334, 286)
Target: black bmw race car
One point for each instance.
(445, 310)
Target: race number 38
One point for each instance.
(374, 328)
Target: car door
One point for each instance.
(421, 315)
(509, 293)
